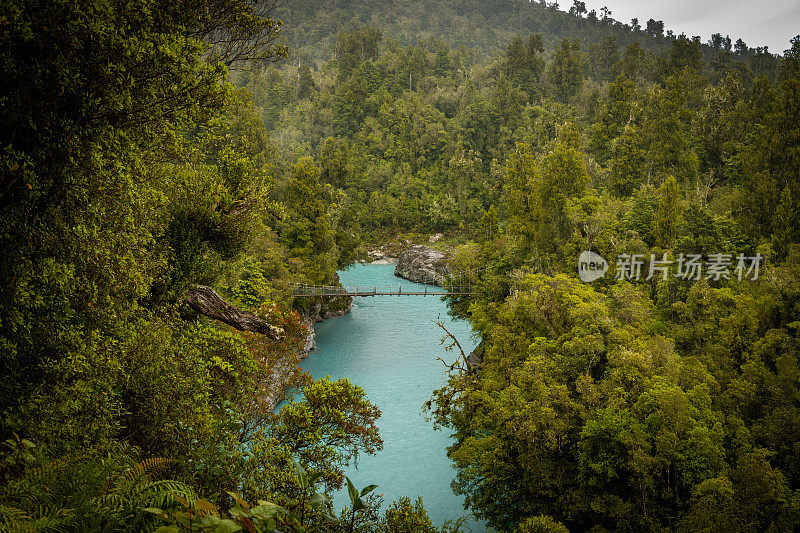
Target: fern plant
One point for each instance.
(264, 517)
(82, 492)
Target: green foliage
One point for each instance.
(326, 430)
(787, 221)
(612, 119)
(565, 72)
(305, 83)
(524, 64)
(354, 47)
(541, 524)
(407, 517)
(604, 60)
(665, 220)
(132, 169)
(83, 492)
(357, 504)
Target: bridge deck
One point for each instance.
(376, 290)
(381, 293)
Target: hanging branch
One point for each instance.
(449, 341)
(206, 301)
(241, 31)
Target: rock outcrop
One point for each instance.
(385, 253)
(422, 264)
(311, 336)
(475, 358)
(319, 311)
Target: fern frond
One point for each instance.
(140, 472)
(109, 501)
(13, 519)
(53, 524)
(18, 521)
(162, 494)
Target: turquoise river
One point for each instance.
(388, 346)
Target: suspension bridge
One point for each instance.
(396, 290)
(459, 284)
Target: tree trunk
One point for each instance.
(205, 300)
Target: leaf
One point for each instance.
(206, 507)
(227, 526)
(267, 510)
(318, 499)
(302, 475)
(351, 490)
(145, 469)
(243, 504)
(369, 488)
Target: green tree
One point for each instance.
(790, 68)
(627, 162)
(667, 215)
(407, 517)
(326, 430)
(633, 62)
(524, 64)
(565, 71)
(94, 106)
(306, 229)
(614, 115)
(305, 82)
(787, 222)
(354, 47)
(686, 54)
(603, 59)
(489, 223)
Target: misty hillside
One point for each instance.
(485, 28)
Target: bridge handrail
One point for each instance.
(330, 290)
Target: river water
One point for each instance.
(388, 346)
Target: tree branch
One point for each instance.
(205, 300)
(449, 341)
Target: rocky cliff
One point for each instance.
(475, 358)
(321, 310)
(422, 264)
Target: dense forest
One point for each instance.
(168, 172)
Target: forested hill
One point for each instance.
(666, 400)
(482, 28)
(142, 183)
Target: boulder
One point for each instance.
(422, 264)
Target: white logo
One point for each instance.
(591, 266)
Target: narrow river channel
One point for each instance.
(388, 346)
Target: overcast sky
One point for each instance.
(759, 23)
